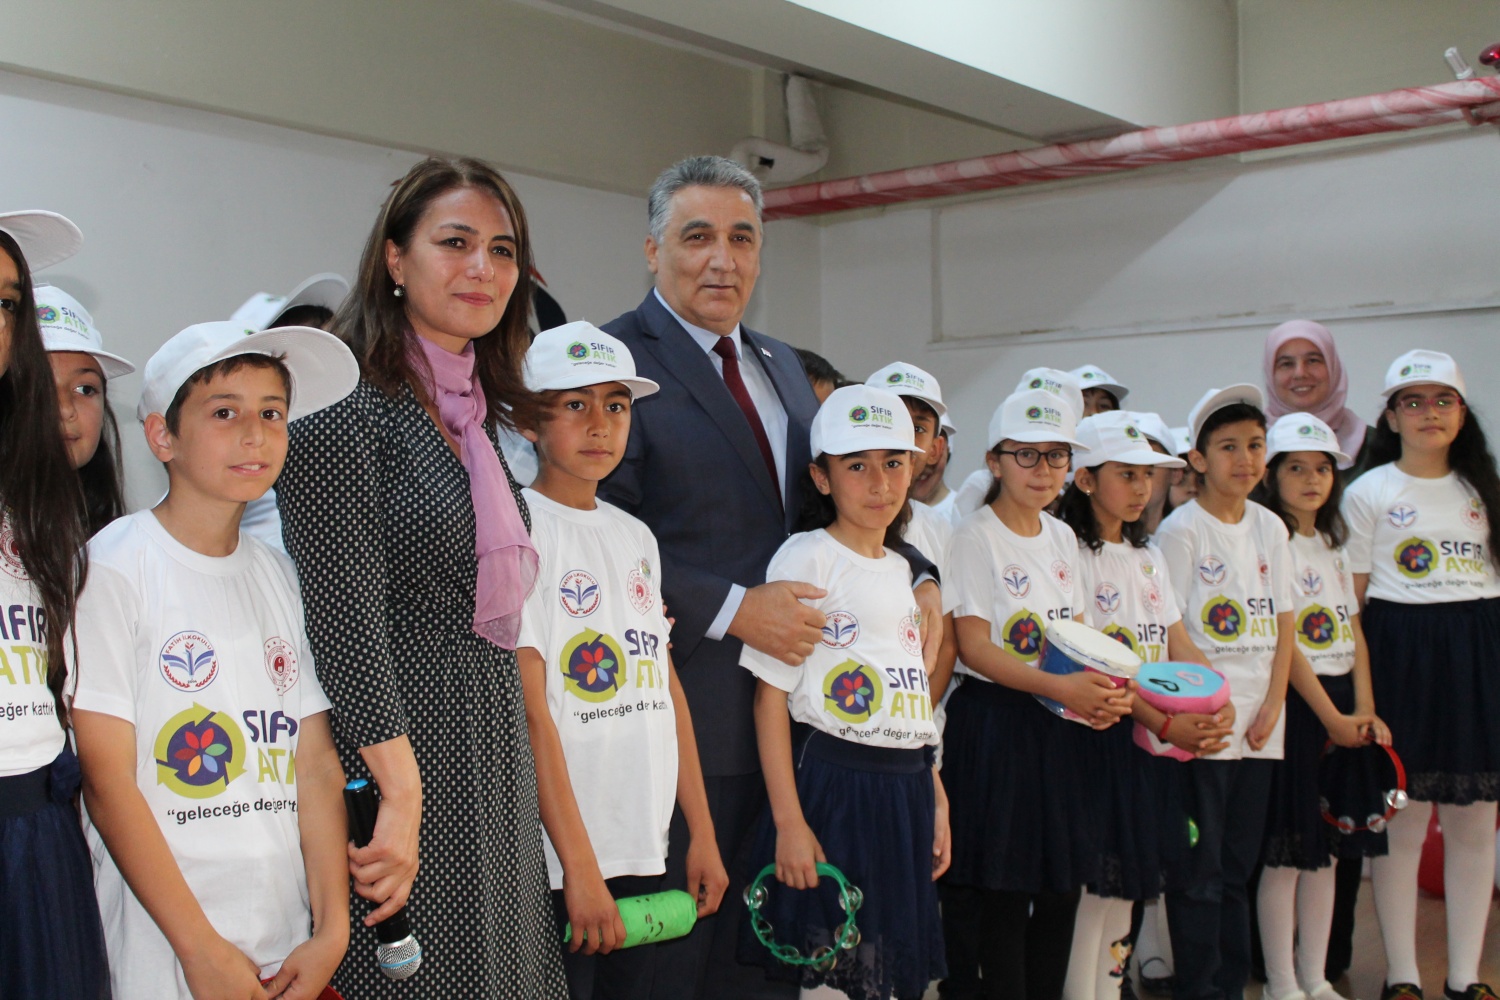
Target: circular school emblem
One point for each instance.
(1016, 581)
(1311, 582)
(1474, 513)
(281, 664)
(1107, 598)
(591, 666)
(188, 662)
(909, 634)
(852, 692)
(1063, 574)
(1316, 627)
(1403, 515)
(1415, 558)
(10, 551)
(1151, 594)
(198, 753)
(579, 594)
(1022, 635)
(1223, 618)
(840, 630)
(638, 589)
(1212, 570)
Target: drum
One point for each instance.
(1175, 688)
(1072, 646)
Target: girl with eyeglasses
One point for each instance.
(1421, 528)
(1023, 838)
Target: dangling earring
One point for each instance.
(400, 291)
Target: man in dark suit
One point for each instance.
(716, 466)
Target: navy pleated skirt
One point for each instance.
(51, 941)
(1022, 797)
(1141, 821)
(1435, 670)
(872, 810)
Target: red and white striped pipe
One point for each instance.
(1475, 101)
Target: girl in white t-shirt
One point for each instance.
(1422, 527)
(1330, 677)
(860, 791)
(1127, 596)
(52, 945)
(1024, 840)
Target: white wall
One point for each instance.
(1170, 280)
(187, 213)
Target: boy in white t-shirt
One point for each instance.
(609, 723)
(209, 769)
(1229, 564)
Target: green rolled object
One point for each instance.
(660, 916)
(1192, 833)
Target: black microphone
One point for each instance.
(397, 950)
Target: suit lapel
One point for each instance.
(785, 372)
(680, 354)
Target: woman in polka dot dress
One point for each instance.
(410, 540)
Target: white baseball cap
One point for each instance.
(862, 418)
(1155, 429)
(947, 425)
(1034, 416)
(1421, 367)
(1094, 377)
(262, 309)
(322, 369)
(577, 354)
(1182, 442)
(1304, 432)
(1215, 400)
(1057, 382)
(46, 238)
(67, 326)
(909, 380)
(1114, 437)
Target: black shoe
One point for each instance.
(1158, 986)
(1127, 991)
(1476, 991)
(1401, 991)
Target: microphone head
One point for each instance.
(399, 959)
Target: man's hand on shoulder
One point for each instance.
(773, 620)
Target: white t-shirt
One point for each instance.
(208, 658)
(1128, 597)
(931, 533)
(944, 509)
(595, 616)
(865, 681)
(262, 520)
(30, 736)
(1230, 581)
(1017, 584)
(1423, 541)
(1323, 589)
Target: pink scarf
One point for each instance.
(1341, 420)
(507, 559)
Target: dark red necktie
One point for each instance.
(724, 348)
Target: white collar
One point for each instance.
(705, 339)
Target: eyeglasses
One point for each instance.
(1443, 403)
(1026, 458)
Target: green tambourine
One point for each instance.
(824, 958)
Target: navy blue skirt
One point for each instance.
(1435, 670)
(1141, 821)
(1021, 798)
(872, 811)
(52, 944)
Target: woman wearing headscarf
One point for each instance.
(1304, 375)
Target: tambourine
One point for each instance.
(1348, 786)
(823, 958)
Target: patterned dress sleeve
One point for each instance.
(333, 515)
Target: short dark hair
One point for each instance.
(228, 366)
(818, 368)
(310, 314)
(1234, 413)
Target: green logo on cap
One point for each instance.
(1405, 371)
(1035, 383)
(1305, 429)
(578, 350)
(46, 314)
(859, 415)
(894, 377)
(1034, 413)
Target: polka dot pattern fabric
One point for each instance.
(376, 512)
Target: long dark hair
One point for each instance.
(372, 320)
(818, 510)
(1328, 521)
(1077, 511)
(1469, 456)
(103, 490)
(38, 486)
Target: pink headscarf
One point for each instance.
(1340, 419)
(507, 559)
